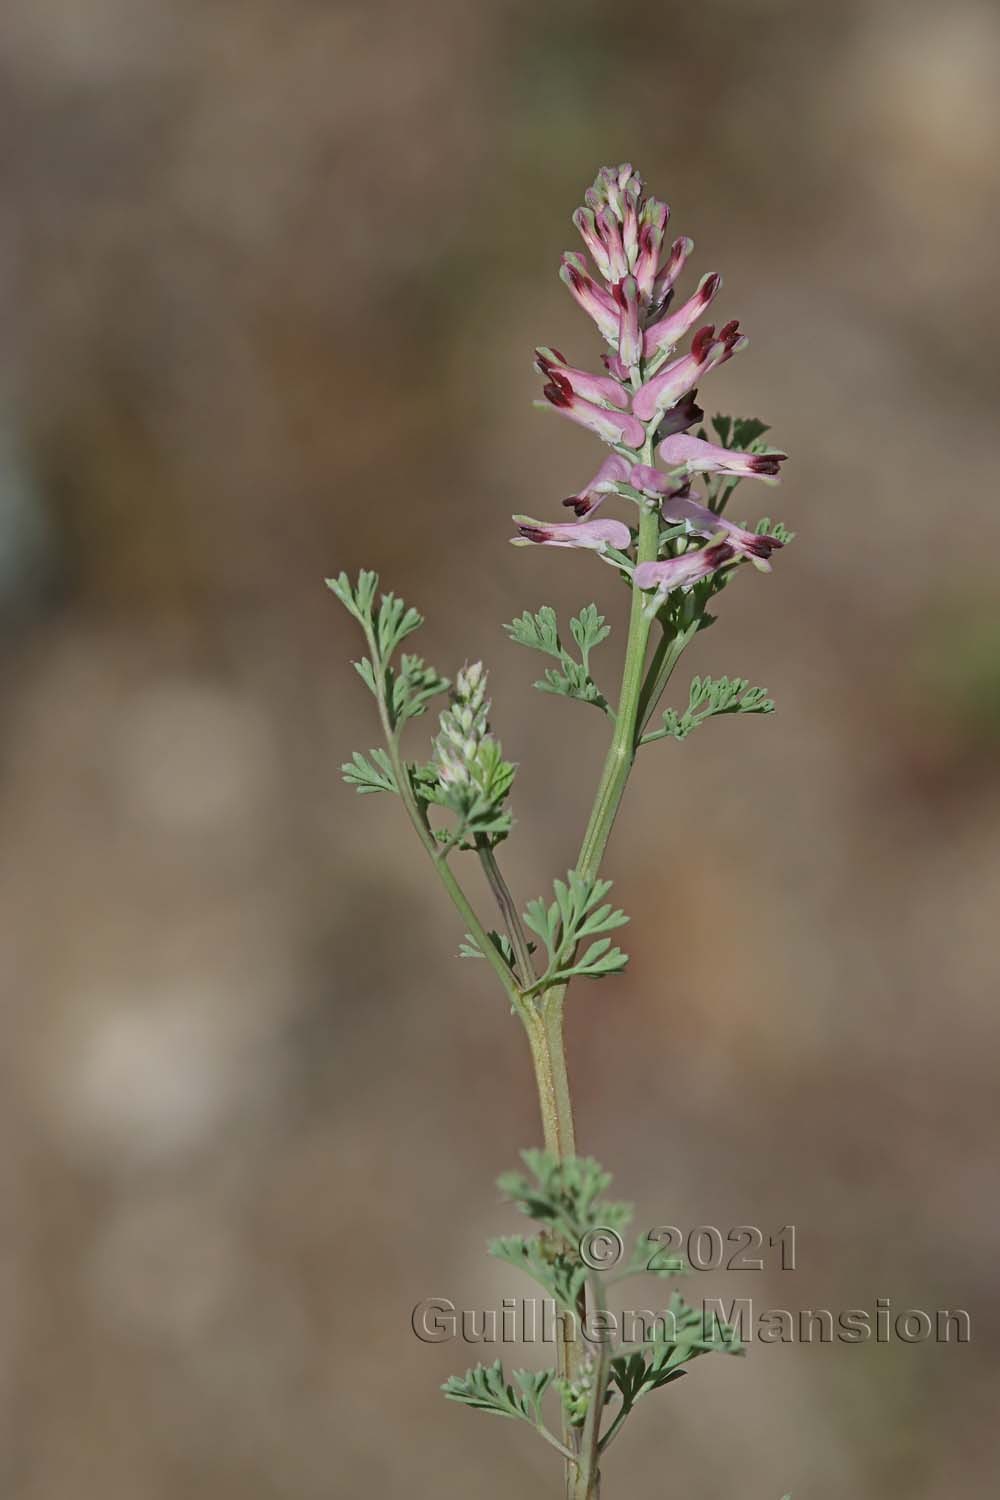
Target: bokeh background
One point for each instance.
(270, 277)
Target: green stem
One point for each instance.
(664, 659)
(508, 910)
(621, 752)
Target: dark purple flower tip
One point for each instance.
(766, 463)
(709, 287)
(720, 553)
(762, 546)
(558, 391)
(533, 533)
(702, 341)
(730, 333)
(580, 504)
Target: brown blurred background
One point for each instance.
(270, 277)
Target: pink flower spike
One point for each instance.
(757, 546)
(626, 295)
(700, 457)
(679, 377)
(611, 426)
(595, 535)
(597, 388)
(596, 303)
(671, 269)
(669, 330)
(681, 572)
(614, 470)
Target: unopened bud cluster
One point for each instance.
(576, 1393)
(464, 730)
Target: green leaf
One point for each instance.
(357, 598)
(554, 1265)
(395, 622)
(578, 912)
(659, 1362)
(486, 1388)
(708, 698)
(368, 777)
(412, 688)
(588, 630)
(539, 632)
(775, 528)
(564, 1195)
(572, 678)
(739, 432)
(500, 941)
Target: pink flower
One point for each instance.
(756, 546)
(652, 223)
(651, 481)
(681, 572)
(611, 426)
(596, 303)
(597, 388)
(670, 270)
(669, 330)
(614, 470)
(700, 457)
(676, 379)
(586, 222)
(595, 535)
(626, 295)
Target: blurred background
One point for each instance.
(270, 278)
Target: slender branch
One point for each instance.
(664, 659)
(615, 1428)
(426, 836)
(508, 910)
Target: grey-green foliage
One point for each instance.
(386, 622)
(572, 678)
(765, 525)
(566, 1200)
(688, 1333)
(708, 698)
(579, 912)
(564, 1195)
(739, 432)
(468, 775)
(370, 775)
(486, 1388)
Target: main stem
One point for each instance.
(545, 1025)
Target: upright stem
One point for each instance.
(545, 1027)
(621, 751)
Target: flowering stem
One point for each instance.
(621, 752)
(545, 1027)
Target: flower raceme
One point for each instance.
(645, 406)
